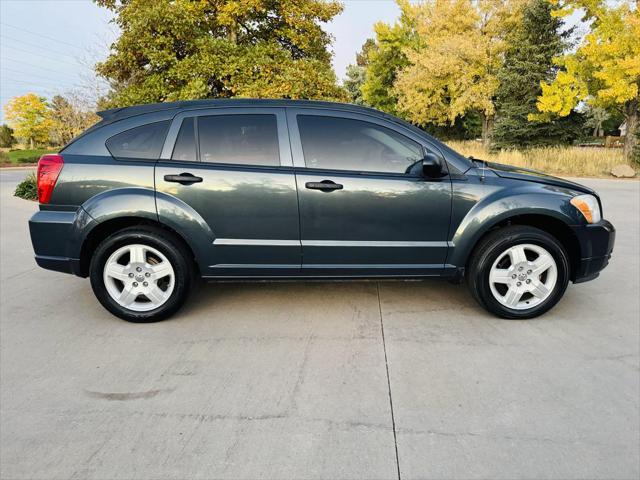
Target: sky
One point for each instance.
(49, 46)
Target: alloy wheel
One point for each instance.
(523, 276)
(139, 277)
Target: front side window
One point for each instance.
(239, 139)
(345, 144)
(143, 142)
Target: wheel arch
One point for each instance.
(108, 227)
(550, 224)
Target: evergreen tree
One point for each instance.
(356, 73)
(353, 83)
(7, 139)
(529, 61)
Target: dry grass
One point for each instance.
(567, 161)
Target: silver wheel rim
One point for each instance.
(523, 276)
(139, 277)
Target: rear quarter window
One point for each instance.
(144, 142)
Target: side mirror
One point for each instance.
(432, 165)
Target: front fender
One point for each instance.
(505, 203)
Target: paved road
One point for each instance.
(297, 380)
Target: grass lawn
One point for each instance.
(27, 156)
(564, 161)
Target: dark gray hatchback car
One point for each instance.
(155, 196)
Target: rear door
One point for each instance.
(364, 207)
(233, 167)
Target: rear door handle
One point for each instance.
(184, 178)
(324, 185)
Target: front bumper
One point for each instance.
(596, 245)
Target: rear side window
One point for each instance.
(185, 148)
(143, 142)
(346, 144)
(239, 139)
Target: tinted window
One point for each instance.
(185, 148)
(345, 144)
(141, 142)
(241, 139)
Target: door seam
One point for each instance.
(295, 181)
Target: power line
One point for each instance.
(40, 47)
(5, 79)
(34, 65)
(19, 72)
(39, 35)
(76, 64)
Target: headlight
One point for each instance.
(588, 206)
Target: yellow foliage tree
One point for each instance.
(29, 117)
(454, 64)
(604, 71)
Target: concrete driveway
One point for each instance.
(319, 380)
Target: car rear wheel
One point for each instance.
(518, 272)
(141, 274)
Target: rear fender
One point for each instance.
(142, 203)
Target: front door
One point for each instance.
(233, 167)
(365, 209)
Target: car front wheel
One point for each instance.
(518, 272)
(141, 274)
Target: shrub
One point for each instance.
(30, 159)
(4, 157)
(28, 188)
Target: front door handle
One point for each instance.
(184, 178)
(324, 185)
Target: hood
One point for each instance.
(519, 173)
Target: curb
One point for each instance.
(26, 167)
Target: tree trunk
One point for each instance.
(487, 129)
(631, 117)
(31, 142)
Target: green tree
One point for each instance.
(353, 83)
(387, 57)
(29, 117)
(7, 140)
(531, 48)
(184, 49)
(356, 73)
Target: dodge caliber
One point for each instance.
(154, 197)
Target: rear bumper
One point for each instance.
(596, 245)
(59, 264)
(55, 236)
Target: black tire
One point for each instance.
(164, 242)
(494, 245)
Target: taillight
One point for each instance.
(49, 167)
